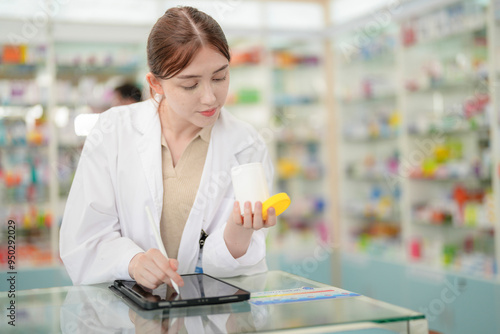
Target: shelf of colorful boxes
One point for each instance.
(455, 159)
(378, 51)
(24, 166)
(33, 223)
(459, 18)
(446, 163)
(300, 173)
(297, 82)
(462, 202)
(468, 206)
(368, 91)
(371, 127)
(87, 73)
(22, 79)
(372, 167)
(19, 65)
(459, 250)
(455, 228)
(372, 208)
(371, 204)
(299, 137)
(465, 75)
(373, 211)
(451, 143)
(25, 175)
(245, 60)
(248, 96)
(292, 78)
(442, 140)
(21, 60)
(447, 50)
(379, 126)
(366, 69)
(24, 160)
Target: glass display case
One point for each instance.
(96, 308)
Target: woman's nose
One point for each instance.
(208, 95)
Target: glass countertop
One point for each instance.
(96, 309)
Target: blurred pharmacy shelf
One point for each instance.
(419, 155)
(418, 92)
(37, 161)
(370, 122)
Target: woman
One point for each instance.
(173, 154)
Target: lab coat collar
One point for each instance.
(143, 114)
(146, 120)
(144, 117)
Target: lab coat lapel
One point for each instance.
(228, 141)
(218, 177)
(149, 150)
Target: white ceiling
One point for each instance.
(131, 20)
(229, 13)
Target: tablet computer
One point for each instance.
(198, 289)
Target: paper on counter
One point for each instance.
(298, 295)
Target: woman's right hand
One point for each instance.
(151, 269)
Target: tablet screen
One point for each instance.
(196, 286)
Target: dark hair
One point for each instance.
(176, 38)
(129, 90)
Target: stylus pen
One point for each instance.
(160, 243)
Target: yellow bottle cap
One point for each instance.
(279, 202)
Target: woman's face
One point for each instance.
(197, 93)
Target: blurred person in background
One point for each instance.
(125, 94)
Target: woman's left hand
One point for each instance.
(239, 228)
(253, 221)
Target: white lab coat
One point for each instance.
(120, 172)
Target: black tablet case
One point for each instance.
(122, 287)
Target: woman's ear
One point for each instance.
(154, 83)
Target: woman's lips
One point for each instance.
(209, 112)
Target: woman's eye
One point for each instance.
(196, 84)
(220, 79)
(190, 87)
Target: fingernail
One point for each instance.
(272, 211)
